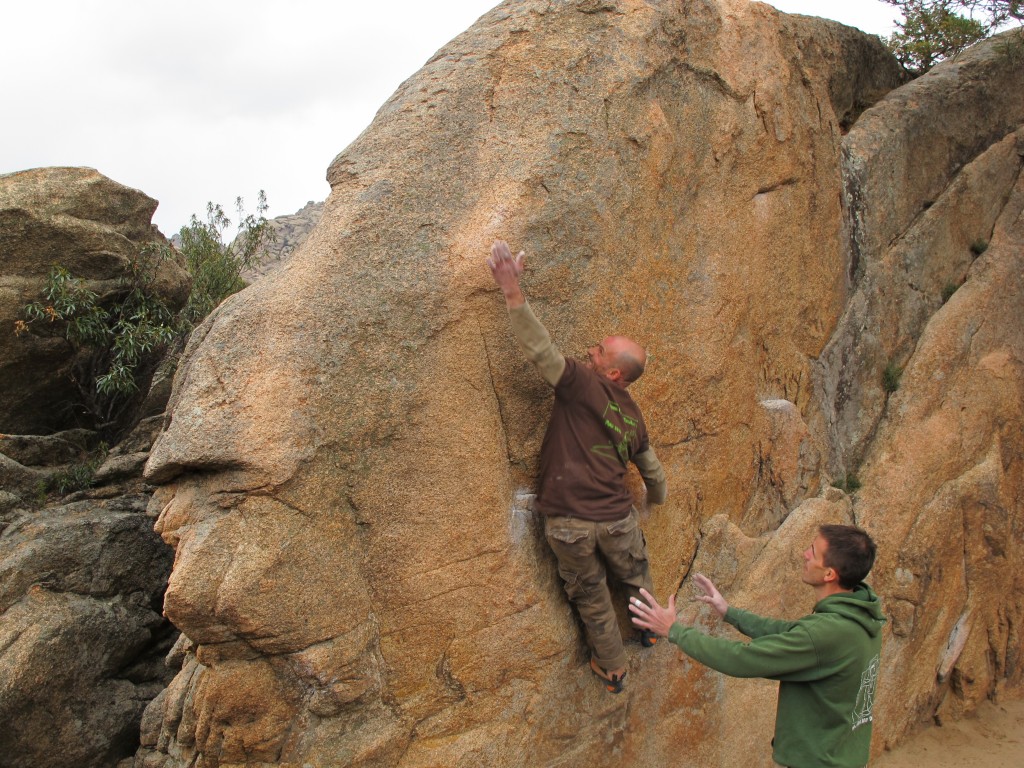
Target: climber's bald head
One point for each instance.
(618, 358)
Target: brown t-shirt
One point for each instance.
(594, 432)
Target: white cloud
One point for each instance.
(194, 100)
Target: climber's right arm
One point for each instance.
(533, 337)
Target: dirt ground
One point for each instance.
(992, 738)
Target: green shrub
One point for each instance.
(77, 477)
(848, 484)
(891, 377)
(932, 30)
(978, 247)
(216, 266)
(1013, 46)
(118, 334)
(948, 290)
(117, 339)
(74, 477)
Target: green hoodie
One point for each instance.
(827, 666)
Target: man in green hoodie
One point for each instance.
(826, 663)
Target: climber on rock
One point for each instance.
(595, 430)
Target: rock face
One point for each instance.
(81, 637)
(93, 226)
(351, 444)
(939, 214)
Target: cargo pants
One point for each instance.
(587, 552)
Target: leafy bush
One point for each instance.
(216, 266)
(74, 477)
(979, 246)
(891, 378)
(932, 30)
(118, 338)
(848, 484)
(119, 333)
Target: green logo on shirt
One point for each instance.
(623, 429)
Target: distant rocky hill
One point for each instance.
(290, 232)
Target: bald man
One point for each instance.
(595, 431)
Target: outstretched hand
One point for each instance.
(651, 615)
(711, 594)
(506, 269)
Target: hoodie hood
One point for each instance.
(861, 605)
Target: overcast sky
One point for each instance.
(198, 100)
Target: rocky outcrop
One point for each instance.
(937, 209)
(921, 211)
(942, 479)
(82, 573)
(81, 220)
(82, 641)
(82, 576)
(351, 444)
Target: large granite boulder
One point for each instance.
(81, 220)
(943, 477)
(920, 213)
(352, 441)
